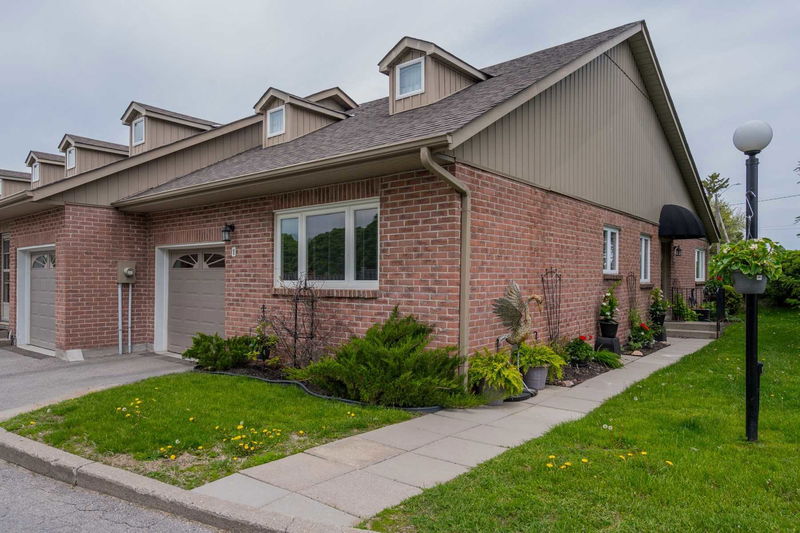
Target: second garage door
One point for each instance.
(43, 300)
(196, 296)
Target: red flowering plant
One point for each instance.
(642, 335)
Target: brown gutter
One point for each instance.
(466, 225)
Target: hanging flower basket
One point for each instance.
(749, 264)
(745, 284)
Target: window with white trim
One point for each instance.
(35, 172)
(138, 131)
(276, 121)
(699, 264)
(410, 78)
(644, 258)
(71, 158)
(610, 250)
(335, 246)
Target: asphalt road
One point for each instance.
(31, 502)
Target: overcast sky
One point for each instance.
(74, 66)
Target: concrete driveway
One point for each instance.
(29, 380)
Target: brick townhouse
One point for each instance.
(431, 199)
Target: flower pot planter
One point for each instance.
(746, 285)
(608, 328)
(495, 396)
(536, 377)
(703, 315)
(658, 320)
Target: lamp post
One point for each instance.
(750, 138)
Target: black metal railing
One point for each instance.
(698, 299)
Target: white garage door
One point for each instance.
(43, 300)
(196, 296)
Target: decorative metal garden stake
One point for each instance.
(751, 138)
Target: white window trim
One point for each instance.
(699, 252)
(607, 242)
(74, 158)
(271, 133)
(398, 95)
(645, 258)
(35, 172)
(349, 281)
(133, 131)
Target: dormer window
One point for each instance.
(276, 121)
(138, 131)
(35, 172)
(410, 77)
(71, 158)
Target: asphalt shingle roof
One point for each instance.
(169, 113)
(47, 156)
(15, 175)
(98, 143)
(371, 124)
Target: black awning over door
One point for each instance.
(677, 222)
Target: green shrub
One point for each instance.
(540, 355)
(734, 302)
(495, 370)
(607, 358)
(785, 289)
(578, 351)
(681, 310)
(212, 352)
(642, 334)
(391, 365)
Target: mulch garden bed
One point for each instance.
(578, 374)
(647, 351)
(259, 370)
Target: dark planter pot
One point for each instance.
(658, 318)
(495, 396)
(703, 315)
(535, 377)
(747, 285)
(608, 328)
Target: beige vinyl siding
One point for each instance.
(154, 173)
(160, 132)
(48, 173)
(87, 159)
(12, 187)
(440, 82)
(594, 135)
(299, 122)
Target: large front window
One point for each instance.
(332, 246)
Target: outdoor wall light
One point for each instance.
(227, 229)
(678, 251)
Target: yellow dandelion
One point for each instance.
(562, 467)
(551, 456)
(669, 463)
(224, 440)
(630, 454)
(301, 432)
(235, 458)
(33, 423)
(584, 460)
(240, 426)
(549, 465)
(621, 457)
(172, 457)
(127, 415)
(169, 446)
(216, 427)
(191, 419)
(199, 447)
(162, 450)
(568, 463)
(352, 415)
(643, 453)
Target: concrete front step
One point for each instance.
(691, 334)
(694, 326)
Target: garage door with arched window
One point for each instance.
(43, 300)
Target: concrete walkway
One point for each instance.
(345, 481)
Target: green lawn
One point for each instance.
(698, 473)
(189, 429)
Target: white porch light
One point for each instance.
(752, 137)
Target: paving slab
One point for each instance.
(242, 489)
(537, 418)
(361, 493)
(404, 436)
(484, 414)
(545, 394)
(417, 470)
(297, 472)
(589, 393)
(498, 436)
(355, 451)
(444, 425)
(461, 451)
(581, 405)
(299, 505)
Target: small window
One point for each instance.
(334, 245)
(644, 259)
(213, 260)
(610, 250)
(276, 123)
(71, 158)
(699, 264)
(410, 77)
(35, 172)
(138, 131)
(186, 261)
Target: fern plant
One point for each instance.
(513, 310)
(494, 370)
(540, 355)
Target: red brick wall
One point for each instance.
(683, 266)
(518, 231)
(419, 253)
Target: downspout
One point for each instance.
(464, 270)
